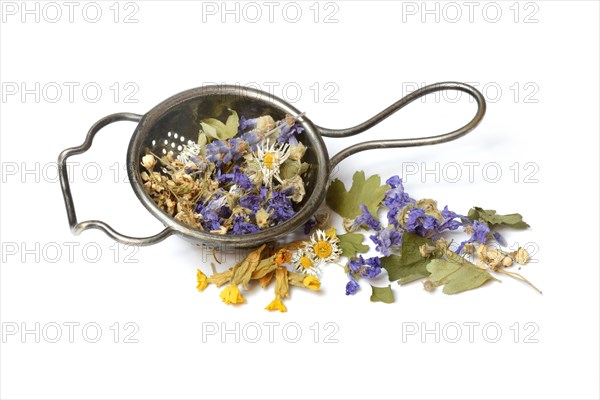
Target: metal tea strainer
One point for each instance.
(176, 121)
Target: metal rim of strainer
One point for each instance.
(146, 123)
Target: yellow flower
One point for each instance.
(276, 305)
(325, 246)
(312, 282)
(231, 295)
(202, 281)
(284, 256)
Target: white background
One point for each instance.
(538, 63)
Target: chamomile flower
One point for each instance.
(305, 262)
(270, 157)
(324, 245)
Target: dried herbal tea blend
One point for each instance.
(411, 240)
(241, 176)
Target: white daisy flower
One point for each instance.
(305, 262)
(270, 157)
(325, 246)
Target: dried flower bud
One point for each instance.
(492, 254)
(262, 218)
(494, 263)
(521, 256)
(468, 248)
(148, 162)
(428, 286)
(297, 151)
(427, 205)
(426, 250)
(441, 244)
(265, 124)
(507, 261)
(349, 226)
(482, 251)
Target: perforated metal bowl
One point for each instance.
(175, 121)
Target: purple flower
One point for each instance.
(251, 202)
(289, 132)
(213, 212)
(396, 197)
(352, 286)
(369, 268)
(238, 178)
(225, 151)
(500, 239)
(365, 218)
(450, 221)
(242, 227)
(252, 138)
(422, 224)
(386, 239)
(281, 206)
(218, 151)
(247, 123)
(479, 234)
(308, 225)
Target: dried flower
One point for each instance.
(312, 282)
(202, 281)
(386, 239)
(148, 162)
(305, 262)
(276, 305)
(366, 268)
(521, 256)
(284, 256)
(324, 246)
(231, 295)
(270, 158)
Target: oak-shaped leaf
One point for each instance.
(457, 275)
(382, 294)
(363, 191)
(351, 244)
(410, 265)
(490, 217)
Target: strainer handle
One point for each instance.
(76, 227)
(411, 142)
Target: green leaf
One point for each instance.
(490, 216)
(410, 265)
(457, 276)
(363, 191)
(383, 294)
(351, 244)
(218, 130)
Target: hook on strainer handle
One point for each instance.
(76, 227)
(386, 144)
